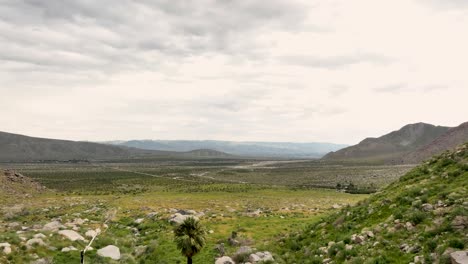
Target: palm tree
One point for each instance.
(190, 237)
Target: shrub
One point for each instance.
(456, 243)
(417, 217)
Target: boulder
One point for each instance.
(53, 226)
(224, 260)
(6, 248)
(253, 258)
(68, 249)
(460, 222)
(110, 251)
(35, 242)
(427, 207)
(178, 218)
(459, 257)
(40, 235)
(72, 235)
(91, 233)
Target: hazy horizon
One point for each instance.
(286, 71)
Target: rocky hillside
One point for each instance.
(392, 147)
(19, 148)
(422, 218)
(447, 141)
(14, 147)
(13, 183)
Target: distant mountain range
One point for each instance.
(250, 149)
(411, 144)
(19, 148)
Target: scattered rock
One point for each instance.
(40, 235)
(427, 207)
(110, 251)
(140, 250)
(53, 226)
(349, 247)
(357, 239)
(68, 249)
(265, 256)
(6, 248)
(91, 233)
(233, 242)
(139, 220)
(459, 257)
(178, 218)
(336, 206)
(224, 260)
(460, 222)
(72, 235)
(35, 242)
(253, 258)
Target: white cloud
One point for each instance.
(334, 71)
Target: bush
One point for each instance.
(417, 217)
(456, 243)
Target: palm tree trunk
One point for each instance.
(189, 260)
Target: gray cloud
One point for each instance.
(335, 62)
(445, 4)
(108, 36)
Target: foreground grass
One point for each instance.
(281, 211)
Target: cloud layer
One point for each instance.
(231, 70)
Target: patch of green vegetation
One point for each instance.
(421, 215)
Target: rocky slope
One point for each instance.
(392, 147)
(422, 218)
(447, 141)
(13, 183)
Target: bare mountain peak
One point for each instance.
(392, 146)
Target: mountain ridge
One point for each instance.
(391, 147)
(22, 148)
(239, 148)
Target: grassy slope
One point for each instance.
(443, 179)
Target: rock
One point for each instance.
(349, 247)
(427, 207)
(140, 250)
(139, 220)
(35, 242)
(326, 261)
(357, 239)
(110, 251)
(6, 248)
(52, 226)
(460, 222)
(409, 226)
(210, 231)
(233, 242)
(418, 259)
(178, 218)
(459, 257)
(336, 206)
(243, 250)
(40, 235)
(91, 233)
(68, 249)
(72, 235)
(224, 260)
(254, 258)
(152, 214)
(41, 261)
(265, 256)
(369, 234)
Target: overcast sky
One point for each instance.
(277, 70)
